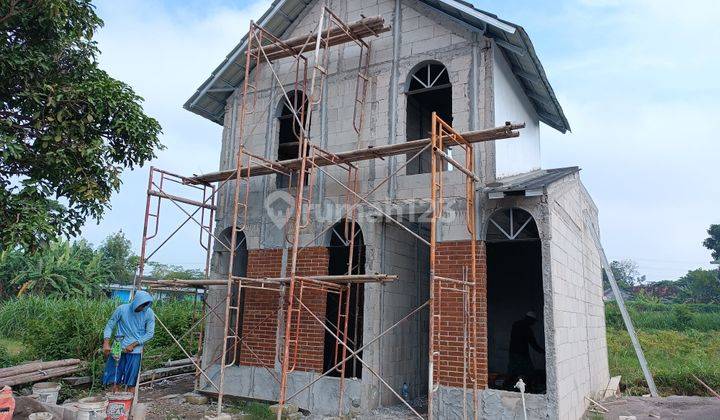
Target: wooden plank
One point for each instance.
(359, 29)
(504, 132)
(339, 279)
(613, 387)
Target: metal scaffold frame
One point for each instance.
(263, 49)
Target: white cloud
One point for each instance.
(165, 52)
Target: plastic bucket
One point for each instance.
(7, 403)
(119, 404)
(43, 415)
(92, 408)
(46, 392)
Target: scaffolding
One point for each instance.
(309, 75)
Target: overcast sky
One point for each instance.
(637, 80)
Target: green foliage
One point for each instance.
(700, 286)
(67, 129)
(72, 328)
(166, 272)
(116, 253)
(682, 317)
(678, 317)
(712, 242)
(61, 269)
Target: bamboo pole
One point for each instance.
(36, 366)
(39, 376)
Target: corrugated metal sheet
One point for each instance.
(209, 100)
(531, 181)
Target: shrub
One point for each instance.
(682, 317)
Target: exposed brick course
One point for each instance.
(260, 310)
(451, 260)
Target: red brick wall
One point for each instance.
(312, 261)
(451, 258)
(260, 311)
(260, 314)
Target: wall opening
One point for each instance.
(339, 258)
(405, 349)
(290, 130)
(240, 262)
(516, 336)
(429, 90)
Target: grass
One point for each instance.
(256, 410)
(678, 341)
(14, 348)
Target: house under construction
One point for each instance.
(380, 219)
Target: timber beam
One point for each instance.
(509, 130)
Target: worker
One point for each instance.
(521, 339)
(134, 323)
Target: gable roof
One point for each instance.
(209, 99)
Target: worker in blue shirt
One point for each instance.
(134, 325)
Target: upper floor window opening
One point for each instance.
(429, 90)
(290, 128)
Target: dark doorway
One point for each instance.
(239, 269)
(516, 335)
(290, 130)
(339, 252)
(429, 90)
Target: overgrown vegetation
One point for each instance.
(51, 329)
(679, 340)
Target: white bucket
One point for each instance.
(92, 408)
(43, 415)
(46, 392)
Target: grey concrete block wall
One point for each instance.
(578, 310)
(574, 316)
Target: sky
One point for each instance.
(637, 80)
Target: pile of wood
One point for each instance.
(38, 371)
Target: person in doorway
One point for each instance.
(521, 339)
(134, 325)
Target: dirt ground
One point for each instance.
(646, 408)
(166, 400)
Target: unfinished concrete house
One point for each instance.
(387, 234)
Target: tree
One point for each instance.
(626, 274)
(116, 253)
(713, 241)
(700, 286)
(67, 129)
(61, 269)
(169, 272)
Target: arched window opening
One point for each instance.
(339, 253)
(429, 90)
(291, 119)
(239, 268)
(516, 334)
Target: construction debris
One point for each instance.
(613, 387)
